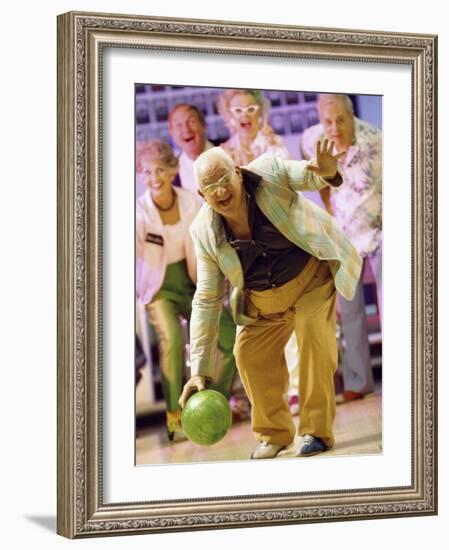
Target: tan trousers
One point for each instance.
(306, 304)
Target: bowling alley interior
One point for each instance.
(180, 117)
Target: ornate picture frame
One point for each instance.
(82, 509)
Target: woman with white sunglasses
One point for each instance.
(245, 113)
(166, 274)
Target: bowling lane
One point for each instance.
(357, 429)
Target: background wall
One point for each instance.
(28, 274)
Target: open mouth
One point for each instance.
(245, 125)
(225, 202)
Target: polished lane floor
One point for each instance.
(357, 427)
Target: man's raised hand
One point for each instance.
(325, 164)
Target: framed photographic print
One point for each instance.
(191, 121)
(120, 79)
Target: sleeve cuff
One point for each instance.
(335, 181)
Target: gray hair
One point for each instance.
(332, 98)
(211, 161)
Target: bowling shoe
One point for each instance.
(293, 405)
(240, 408)
(348, 395)
(175, 437)
(311, 445)
(174, 428)
(266, 450)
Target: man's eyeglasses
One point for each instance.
(212, 188)
(250, 110)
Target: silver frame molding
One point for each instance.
(81, 39)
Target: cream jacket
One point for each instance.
(151, 242)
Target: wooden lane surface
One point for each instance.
(357, 427)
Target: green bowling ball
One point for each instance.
(206, 417)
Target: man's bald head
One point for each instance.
(211, 166)
(220, 183)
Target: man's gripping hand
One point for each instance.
(196, 383)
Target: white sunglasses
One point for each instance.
(212, 188)
(250, 110)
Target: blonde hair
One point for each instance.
(155, 149)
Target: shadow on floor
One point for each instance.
(46, 522)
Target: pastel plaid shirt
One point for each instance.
(300, 220)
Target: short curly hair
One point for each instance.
(155, 149)
(224, 104)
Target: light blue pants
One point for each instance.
(357, 372)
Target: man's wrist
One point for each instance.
(334, 181)
(203, 377)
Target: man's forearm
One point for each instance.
(326, 198)
(204, 323)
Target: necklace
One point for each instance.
(168, 207)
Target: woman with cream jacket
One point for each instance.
(166, 273)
